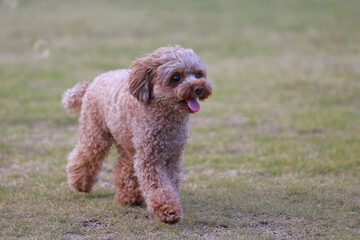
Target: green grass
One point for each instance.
(273, 154)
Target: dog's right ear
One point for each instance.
(140, 80)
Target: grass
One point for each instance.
(273, 154)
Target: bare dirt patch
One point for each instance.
(283, 227)
(94, 223)
(210, 230)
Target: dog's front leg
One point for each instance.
(174, 170)
(160, 196)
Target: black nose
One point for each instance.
(199, 91)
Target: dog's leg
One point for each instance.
(174, 170)
(160, 196)
(127, 187)
(85, 161)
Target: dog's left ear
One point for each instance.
(140, 81)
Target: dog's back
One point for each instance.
(106, 87)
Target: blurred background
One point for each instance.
(278, 139)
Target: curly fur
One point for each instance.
(144, 113)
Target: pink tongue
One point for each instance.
(193, 105)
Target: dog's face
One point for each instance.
(171, 75)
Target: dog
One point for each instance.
(144, 111)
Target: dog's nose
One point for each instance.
(199, 91)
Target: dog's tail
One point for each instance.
(72, 98)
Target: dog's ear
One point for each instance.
(140, 80)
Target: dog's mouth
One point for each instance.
(192, 104)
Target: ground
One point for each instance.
(273, 154)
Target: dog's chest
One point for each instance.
(172, 135)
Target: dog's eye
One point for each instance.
(198, 75)
(176, 78)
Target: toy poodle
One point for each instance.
(144, 111)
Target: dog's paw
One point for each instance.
(168, 214)
(80, 187)
(80, 183)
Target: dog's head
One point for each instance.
(170, 75)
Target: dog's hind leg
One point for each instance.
(93, 146)
(126, 183)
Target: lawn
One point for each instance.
(274, 153)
